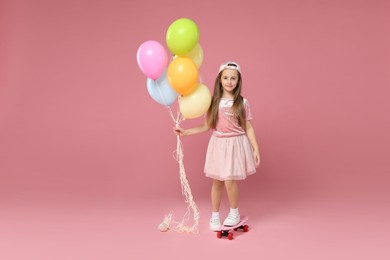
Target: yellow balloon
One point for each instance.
(196, 55)
(183, 75)
(195, 104)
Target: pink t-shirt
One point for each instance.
(227, 125)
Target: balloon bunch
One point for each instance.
(178, 78)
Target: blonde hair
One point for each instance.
(238, 103)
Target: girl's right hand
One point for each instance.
(178, 131)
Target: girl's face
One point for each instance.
(229, 80)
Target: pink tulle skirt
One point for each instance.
(229, 158)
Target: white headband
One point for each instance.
(230, 65)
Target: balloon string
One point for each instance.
(168, 223)
(186, 191)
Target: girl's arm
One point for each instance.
(192, 131)
(250, 132)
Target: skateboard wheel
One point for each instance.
(246, 228)
(219, 234)
(230, 236)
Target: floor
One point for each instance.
(318, 228)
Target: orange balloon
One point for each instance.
(183, 75)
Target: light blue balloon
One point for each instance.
(161, 91)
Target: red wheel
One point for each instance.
(230, 236)
(246, 228)
(219, 234)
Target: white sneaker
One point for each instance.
(215, 224)
(232, 219)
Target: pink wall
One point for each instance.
(77, 123)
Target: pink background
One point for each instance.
(86, 166)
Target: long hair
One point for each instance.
(238, 103)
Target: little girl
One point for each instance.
(233, 152)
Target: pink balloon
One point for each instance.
(152, 59)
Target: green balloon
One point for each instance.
(182, 36)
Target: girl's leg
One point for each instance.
(232, 192)
(216, 194)
(233, 217)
